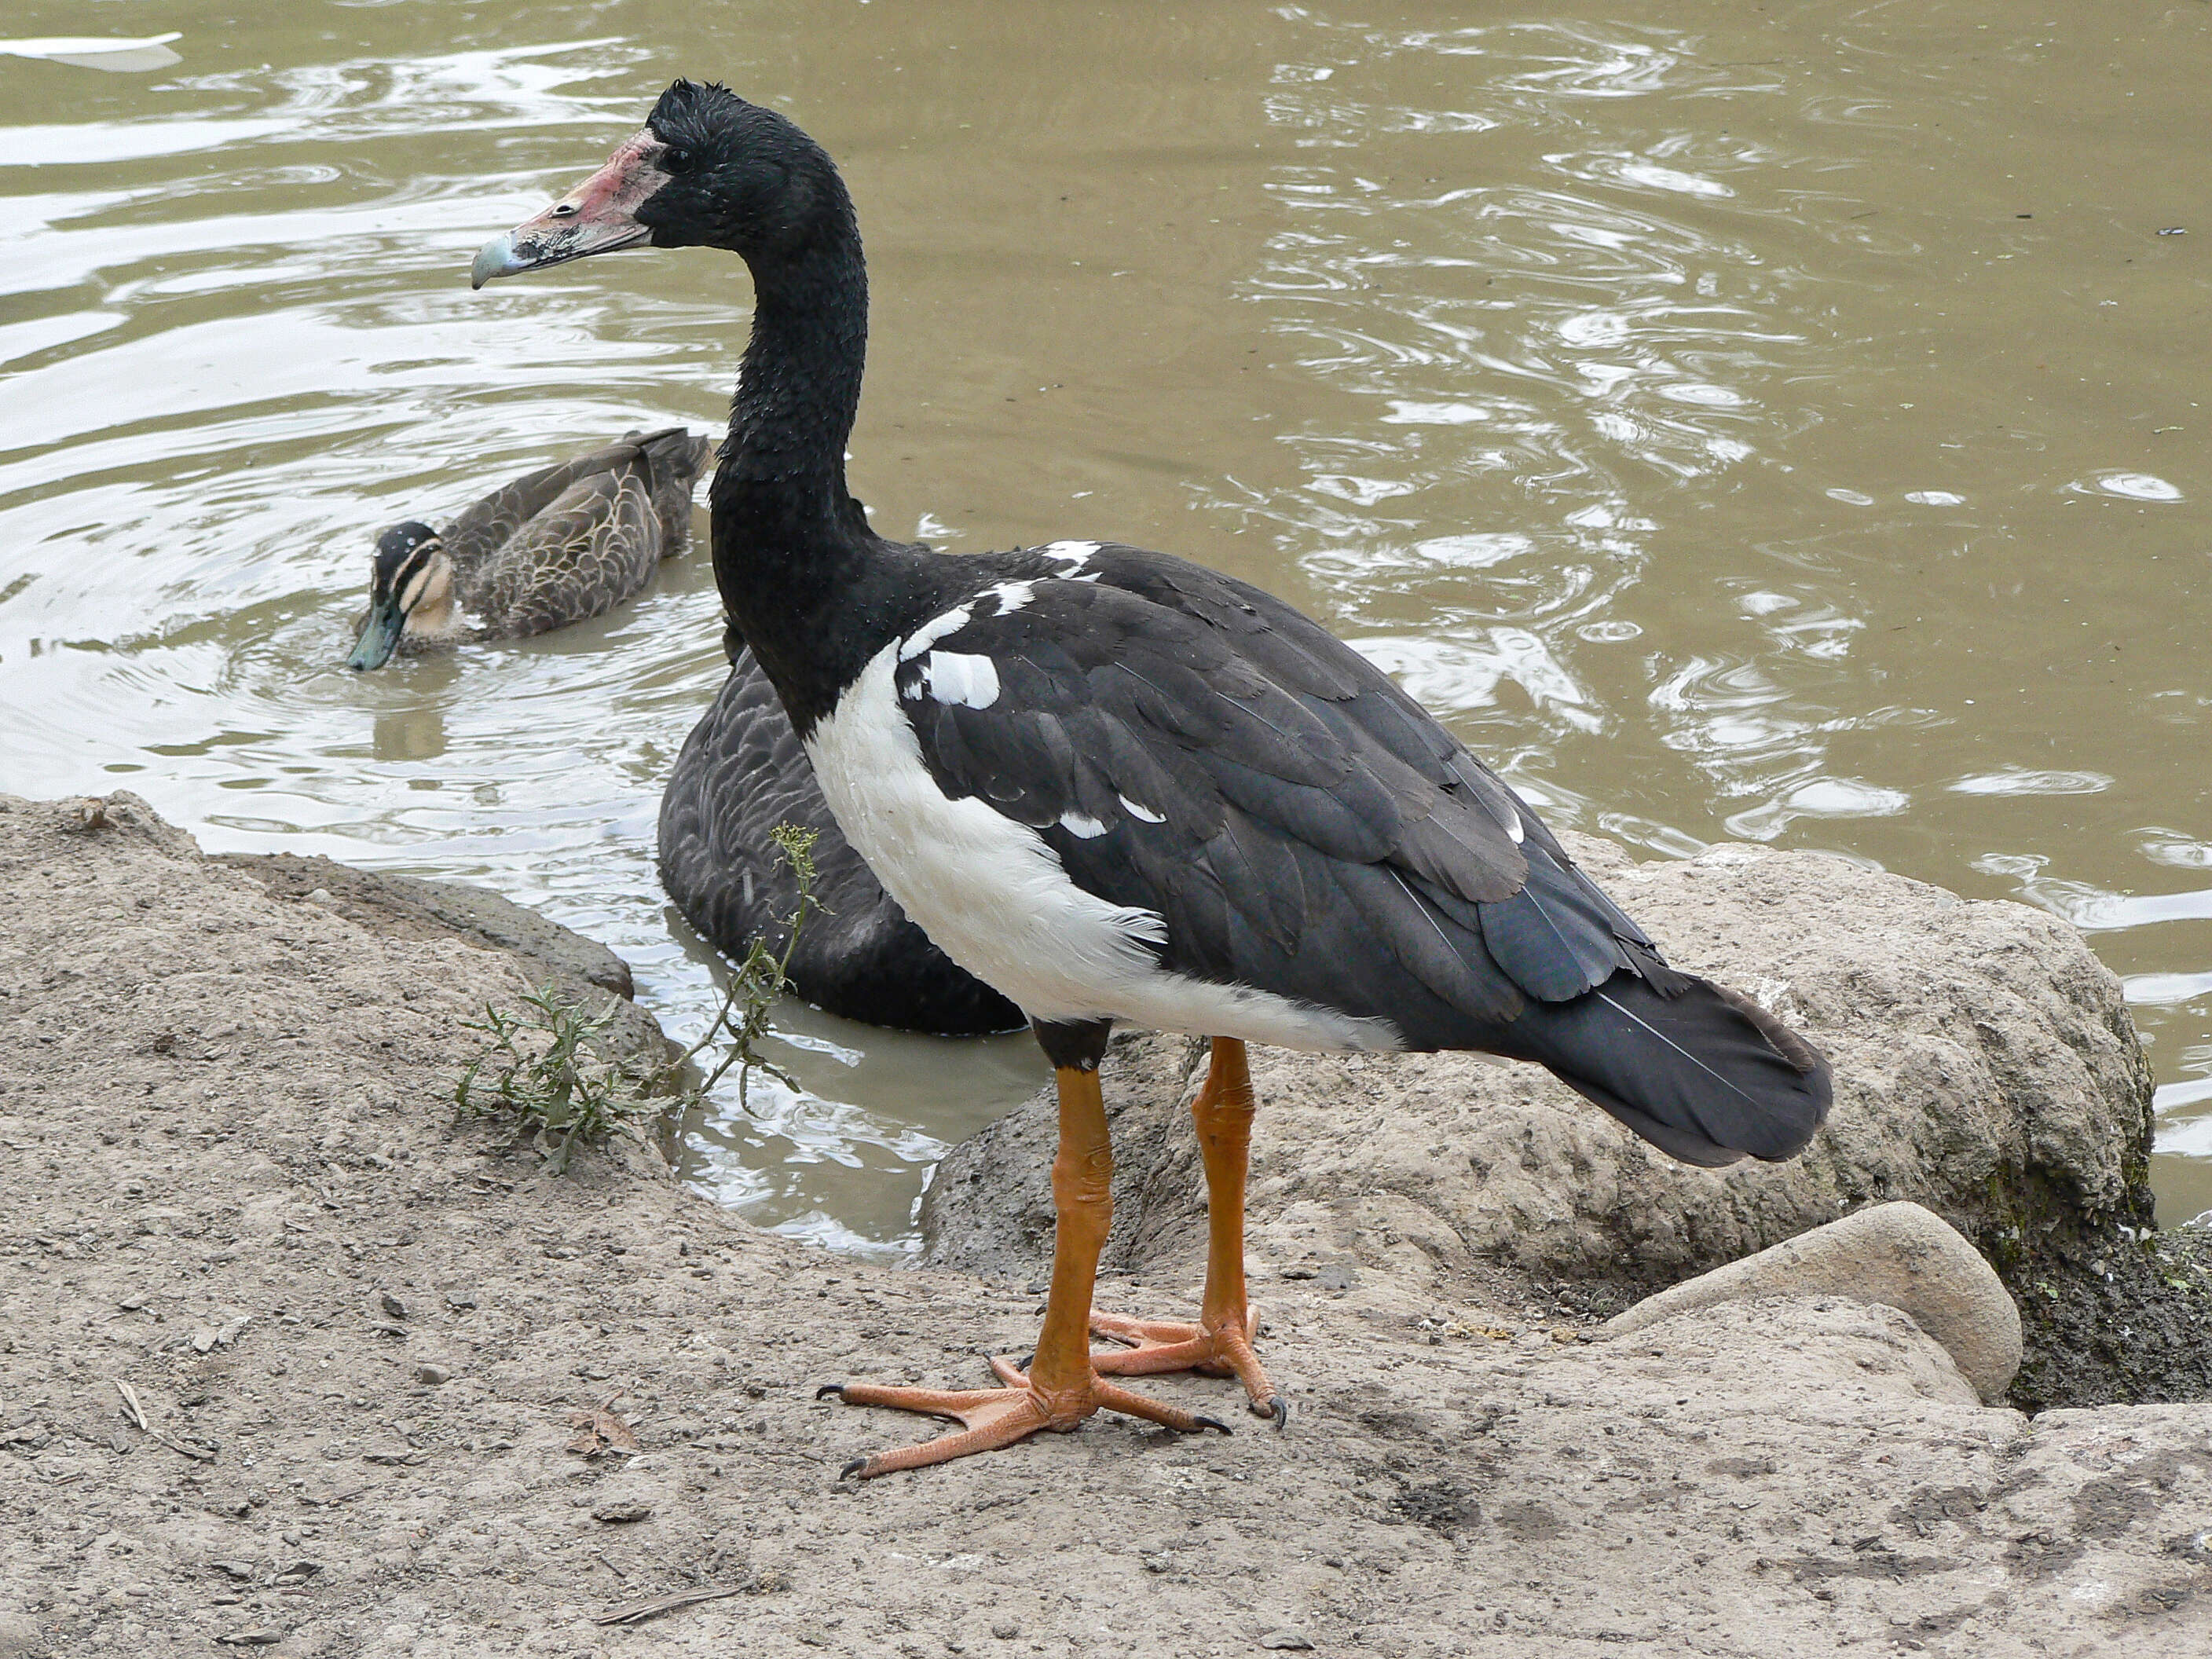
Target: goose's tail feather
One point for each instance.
(1704, 1074)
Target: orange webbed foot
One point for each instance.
(1221, 1349)
(990, 1418)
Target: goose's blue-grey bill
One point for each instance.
(496, 258)
(595, 217)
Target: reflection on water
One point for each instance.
(1735, 425)
(410, 734)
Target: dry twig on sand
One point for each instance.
(635, 1613)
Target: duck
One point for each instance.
(560, 544)
(1123, 789)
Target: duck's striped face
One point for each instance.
(410, 591)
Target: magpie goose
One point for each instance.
(1118, 786)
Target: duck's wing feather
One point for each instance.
(485, 526)
(1189, 745)
(676, 457)
(580, 555)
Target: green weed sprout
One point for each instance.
(547, 1068)
(758, 981)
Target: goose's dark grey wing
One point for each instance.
(1557, 936)
(741, 773)
(1266, 790)
(589, 549)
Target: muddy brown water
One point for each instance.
(1785, 424)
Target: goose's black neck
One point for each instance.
(799, 388)
(801, 574)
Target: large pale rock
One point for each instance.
(1985, 1068)
(1898, 1255)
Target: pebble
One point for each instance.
(1286, 1641)
(391, 1304)
(434, 1374)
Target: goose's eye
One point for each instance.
(674, 158)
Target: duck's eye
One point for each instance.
(674, 158)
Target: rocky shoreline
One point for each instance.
(392, 1390)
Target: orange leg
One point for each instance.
(1059, 1389)
(1220, 1344)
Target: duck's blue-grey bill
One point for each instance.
(380, 637)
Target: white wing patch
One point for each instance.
(993, 896)
(1142, 814)
(951, 622)
(1011, 596)
(1075, 556)
(1081, 824)
(958, 677)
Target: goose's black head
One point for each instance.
(707, 168)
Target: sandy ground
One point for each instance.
(371, 1350)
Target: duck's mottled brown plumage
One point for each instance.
(566, 542)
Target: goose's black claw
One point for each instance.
(1279, 1408)
(1212, 1423)
(826, 1391)
(853, 1467)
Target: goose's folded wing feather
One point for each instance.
(1557, 899)
(1185, 748)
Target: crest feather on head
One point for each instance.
(689, 110)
